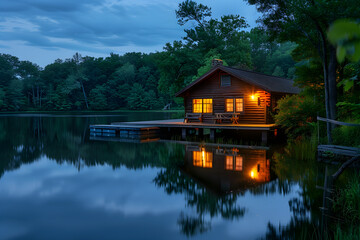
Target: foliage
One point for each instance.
(279, 62)
(190, 10)
(347, 200)
(345, 34)
(297, 114)
(97, 98)
(347, 135)
(350, 110)
(207, 64)
(306, 23)
(350, 233)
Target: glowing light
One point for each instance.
(252, 174)
(253, 97)
(203, 158)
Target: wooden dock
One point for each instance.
(151, 129)
(124, 131)
(335, 154)
(326, 152)
(339, 150)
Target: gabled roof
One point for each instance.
(263, 81)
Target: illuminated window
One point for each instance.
(203, 105)
(229, 163)
(202, 159)
(207, 105)
(197, 105)
(229, 102)
(238, 163)
(234, 163)
(239, 104)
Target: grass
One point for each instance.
(346, 135)
(351, 233)
(347, 200)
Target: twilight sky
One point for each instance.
(44, 30)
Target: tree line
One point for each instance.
(138, 80)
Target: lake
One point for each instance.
(56, 183)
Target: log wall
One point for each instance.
(211, 88)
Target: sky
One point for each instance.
(42, 31)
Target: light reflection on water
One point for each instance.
(57, 184)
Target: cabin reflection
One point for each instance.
(225, 170)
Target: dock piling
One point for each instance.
(264, 137)
(212, 134)
(183, 133)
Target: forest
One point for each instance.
(142, 81)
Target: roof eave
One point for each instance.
(180, 93)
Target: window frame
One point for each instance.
(204, 105)
(221, 80)
(234, 163)
(234, 105)
(203, 159)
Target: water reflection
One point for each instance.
(224, 169)
(196, 188)
(212, 179)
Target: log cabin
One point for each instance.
(226, 94)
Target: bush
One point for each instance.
(346, 135)
(347, 200)
(297, 114)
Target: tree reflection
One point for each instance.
(213, 187)
(297, 164)
(205, 203)
(210, 192)
(191, 226)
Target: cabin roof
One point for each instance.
(263, 81)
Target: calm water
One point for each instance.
(56, 183)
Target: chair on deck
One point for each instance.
(193, 116)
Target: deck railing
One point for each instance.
(333, 122)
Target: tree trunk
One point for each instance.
(33, 96)
(41, 91)
(82, 86)
(332, 84)
(38, 95)
(327, 102)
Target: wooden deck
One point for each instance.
(124, 131)
(179, 123)
(151, 129)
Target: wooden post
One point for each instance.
(212, 134)
(264, 137)
(200, 132)
(183, 133)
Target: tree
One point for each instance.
(34, 88)
(79, 76)
(306, 22)
(97, 98)
(226, 34)
(136, 97)
(190, 10)
(207, 63)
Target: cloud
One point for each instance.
(96, 26)
(108, 24)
